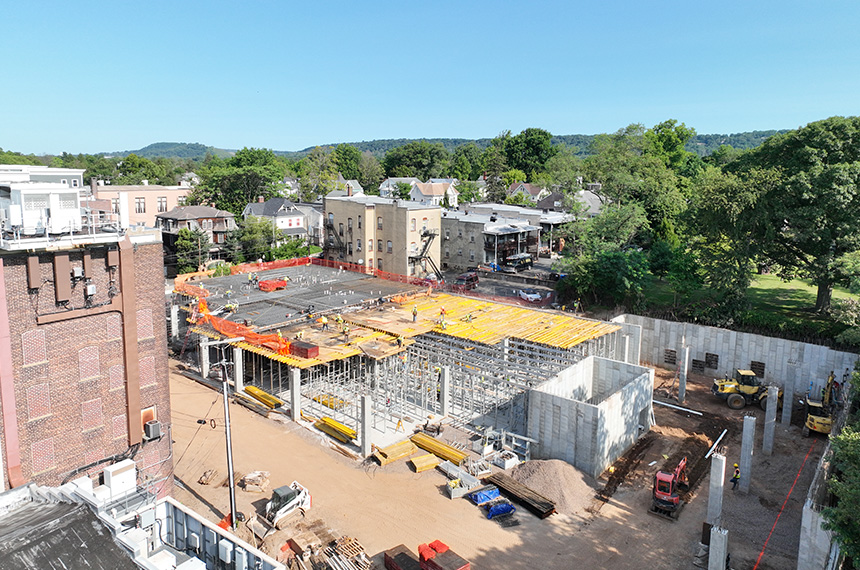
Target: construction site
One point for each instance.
(499, 395)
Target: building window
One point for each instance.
(413, 247)
(379, 223)
(459, 233)
(114, 205)
(370, 245)
(447, 234)
(180, 201)
(140, 205)
(349, 224)
(162, 203)
(447, 253)
(358, 245)
(471, 255)
(349, 248)
(340, 230)
(472, 238)
(379, 264)
(413, 224)
(460, 252)
(370, 263)
(389, 246)
(74, 182)
(379, 245)
(331, 219)
(424, 224)
(359, 222)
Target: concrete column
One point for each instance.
(296, 393)
(445, 389)
(174, 321)
(747, 444)
(715, 489)
(770, 419)
(719, 548)
(682, 377)
(505, 348)
(203, 353)
(366, 415)
(238, 369)
(627, 348)
(788, 397)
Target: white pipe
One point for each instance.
(710, 451)
(678, 407)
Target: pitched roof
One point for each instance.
(194, 213)
(270, 208)
(532, 189)
(433, 188)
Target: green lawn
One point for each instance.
(795, 298)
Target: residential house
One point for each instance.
(288, 218)
(470, 239)
(214, 222)
(343, 187)
(532, 192)
(84, 356)
(550, 222)
(388, 188)
(435, 193)
(381, 233)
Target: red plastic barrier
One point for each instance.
(272, 285)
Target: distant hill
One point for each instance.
(175, 150)
(703, 145)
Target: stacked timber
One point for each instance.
(424, 462)
(336, 429)
(256, 482)
(264, 398)
(536, 503)
(394, 452)
(439, 449)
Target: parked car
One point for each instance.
(431, 280)
(530, 295)
(464, 281)
(518, 262)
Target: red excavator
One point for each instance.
(666, 501)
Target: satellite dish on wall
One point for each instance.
(360, 261)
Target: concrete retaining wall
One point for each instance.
(592, 433)
(786, 362)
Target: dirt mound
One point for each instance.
(570, 489)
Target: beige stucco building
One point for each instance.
(142, 202)
(383, 233)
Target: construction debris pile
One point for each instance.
(557, 480)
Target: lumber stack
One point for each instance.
(536, 503)
(336, 429)
(264, 397)
(395, 451)
(424, 462)
(439, 449)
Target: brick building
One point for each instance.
(83, 355)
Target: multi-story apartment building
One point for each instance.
(397, 236)
(69, 177)
(83, 354)
(470, 239)
(142, 202)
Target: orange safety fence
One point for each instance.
(230, 329)
(181, 285)
(266, 265)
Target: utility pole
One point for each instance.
(231, 484)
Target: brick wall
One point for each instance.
(69, 375)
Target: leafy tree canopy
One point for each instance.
(529, 151)
(346, 159)
(420, 159)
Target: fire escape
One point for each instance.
(334, 243)
(423, 254)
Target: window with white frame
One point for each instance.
(389, 246)
(162, 204)
(140, 205)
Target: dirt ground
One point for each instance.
(384, 507)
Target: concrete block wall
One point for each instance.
(610, 375)
(787, 362)
(574, 382)
(619, 417)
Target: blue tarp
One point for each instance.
(500, 509)
(483, 495)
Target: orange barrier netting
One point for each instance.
(180, 284)
(266, 265)
(230, 329)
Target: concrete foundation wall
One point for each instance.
(786, 362)
(590, 435)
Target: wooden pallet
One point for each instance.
(536, 503)
(424, 462)
(438, 448)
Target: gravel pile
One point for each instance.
(570, 489)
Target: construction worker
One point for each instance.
(399, 342)
(232, 307)
(324, 321)
(346, 331)
(442, 312)
(736, 477)
(250, 278)
(338, 319)
(300, 335)
(414, 313)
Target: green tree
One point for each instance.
(813, 213)
(529, 151)
(420, 159)
(256, 237)
(403, 190)
(667, 141)
(293, 247)
(192, 250)
(518, 200)
(469, 192)
(842, 518)
(370, 173)
(494, 168)
(849, 264)
(320, 174)
(511, 176)
(347, 158)
(660, 258)
(233, 184)
(466, 162)
(563, 172)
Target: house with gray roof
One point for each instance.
(291, 219)
(388, 187)
(214, 222)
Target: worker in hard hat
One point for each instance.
(736, 477)
(324, 321)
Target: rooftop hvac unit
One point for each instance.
(152, 429)
(225, 550)
(91, 290)
(78, 272)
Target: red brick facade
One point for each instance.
(69, 375)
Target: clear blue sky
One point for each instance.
(105, 76)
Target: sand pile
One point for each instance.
(570, 489)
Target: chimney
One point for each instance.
(260, 199)
(93, 184)
(348, 189)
